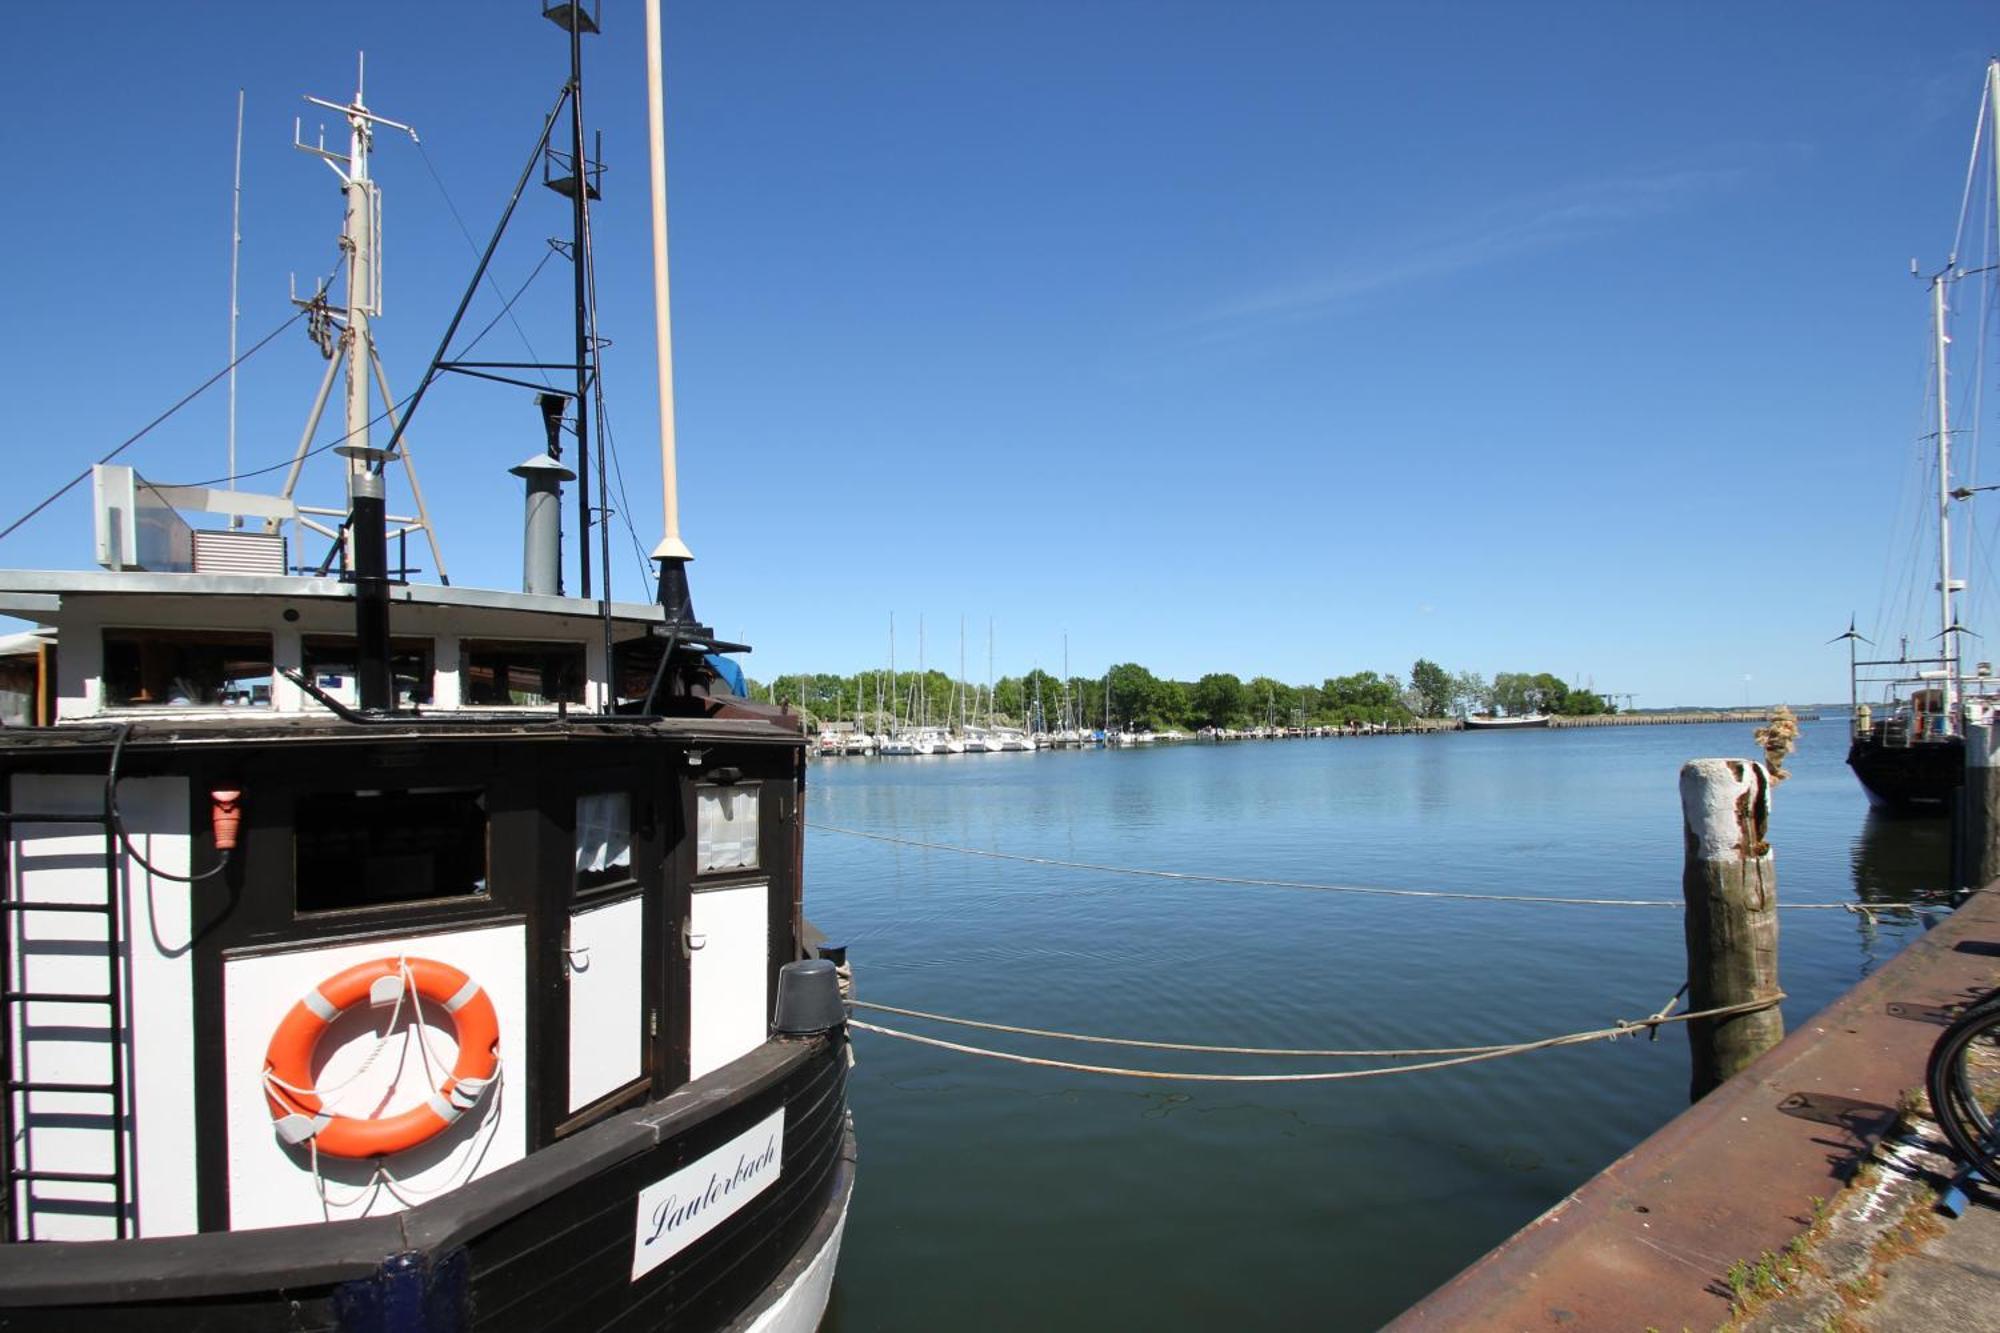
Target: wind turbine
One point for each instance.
(1852, 637)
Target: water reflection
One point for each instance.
(1901, 860)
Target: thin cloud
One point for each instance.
(1500, 232)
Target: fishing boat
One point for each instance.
(1911, 713)
(386, 954)
(1492, 722)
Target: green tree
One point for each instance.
(1470, 693)
(1039, 684)
(1365, 696)
(1134, 695)
(1518, 693)
(1219, 700)
(1433, 686)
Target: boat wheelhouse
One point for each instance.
(622, 889)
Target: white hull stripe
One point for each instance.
(463, 998)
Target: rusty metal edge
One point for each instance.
(1547, 1276)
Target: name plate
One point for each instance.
(676, 1212)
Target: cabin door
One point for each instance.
(728, 941)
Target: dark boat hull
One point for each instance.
(1919, 778)
(546, 1243)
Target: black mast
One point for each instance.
(580, 189)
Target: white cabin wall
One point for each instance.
(271, 1185)
(288, 649)
(65, 863)
(447, 667)
(594, 672)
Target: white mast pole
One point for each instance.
(361, 288)
(1948, 631)
(1993, 102)
(235, 253)
(671, 546)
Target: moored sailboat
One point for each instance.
(1910, 755)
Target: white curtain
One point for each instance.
(725, 829)
(603, 833)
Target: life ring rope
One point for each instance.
(298, 1107)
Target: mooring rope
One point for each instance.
(1372, 1052)
(1472, 1055)
(1371, 890)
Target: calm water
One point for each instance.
(999, 1196)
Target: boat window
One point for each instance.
(20, 685)
(603, 839)
(725, 829)
(500, 672)
(372, 848)
(328, 660)
(153, 668)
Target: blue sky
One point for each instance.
(1294, 339)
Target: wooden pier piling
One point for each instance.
(1730, 882)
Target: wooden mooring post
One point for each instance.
(1730, 883)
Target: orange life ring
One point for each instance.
(296, 1110)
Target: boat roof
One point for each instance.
(33, 593)
(731, 720)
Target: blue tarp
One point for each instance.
(732, 674)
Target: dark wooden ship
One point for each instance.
(385, 954)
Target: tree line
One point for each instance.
(1132, 697)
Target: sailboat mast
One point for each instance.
(1947, 623)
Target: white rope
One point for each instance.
(1624, 1027)
(381, 1043)
(1371, 890)
(1197, 1048)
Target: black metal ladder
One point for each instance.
(18, 1088)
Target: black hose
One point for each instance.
(125, 839)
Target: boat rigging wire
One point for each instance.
(1869, 910)
(146, 429)
(1623, 1028)
(1971, 170)
(506, 310)
(333, 443)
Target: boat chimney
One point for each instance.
(368, 535)
(541, 525)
